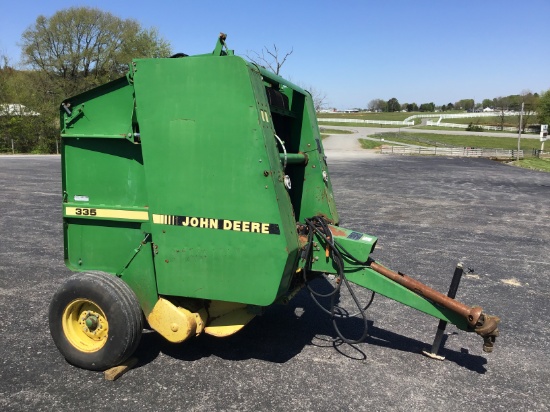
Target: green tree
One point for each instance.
(487, 103)
(27, 117)
(465, 104)
(412, 107)
(70, 52)
(427, 107)
(543, 108)
(393, 105)
(81, 47)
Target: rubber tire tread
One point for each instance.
(121, 308)
(132, 301)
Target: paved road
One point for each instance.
(428, 213)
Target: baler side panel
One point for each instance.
(105, 198)
(205, 155)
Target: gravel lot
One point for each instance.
(428, 213)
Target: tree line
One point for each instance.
(68, 53)
(507, 103)
(536, 108)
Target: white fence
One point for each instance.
(462, 115)
(391, 122)
(465, 126)
(453, 152)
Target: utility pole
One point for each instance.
(520, 127)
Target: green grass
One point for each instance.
(454, 129)
(400, 139)
(487, 142)
(334, 131)
(366, 116)
(325, 132)
(509, 121)
(378, 116)
(534, 164)
(321, 123)
(370, 144)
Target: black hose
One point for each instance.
(317, 225)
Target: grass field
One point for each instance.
(379, 116)
(509, 121)
(487, 142)
(334, 131)
(389, 126)
(325, 132)
(534, 164)
(456, 129)
(370, 144)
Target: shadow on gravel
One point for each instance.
(282, 332)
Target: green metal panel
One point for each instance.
(103, 173)
(107, 172)
(207, 148)
(106, 110)
(378, 283)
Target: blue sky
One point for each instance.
(354, 51)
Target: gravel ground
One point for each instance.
(428, 213)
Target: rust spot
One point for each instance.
(336, 231)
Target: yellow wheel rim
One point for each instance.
(85, 325)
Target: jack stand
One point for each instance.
(459, 270)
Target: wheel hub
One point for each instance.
(92, 323)
(85, 325)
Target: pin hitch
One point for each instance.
(487, 328)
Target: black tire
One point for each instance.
(95, 320)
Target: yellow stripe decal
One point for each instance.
(107, 213)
